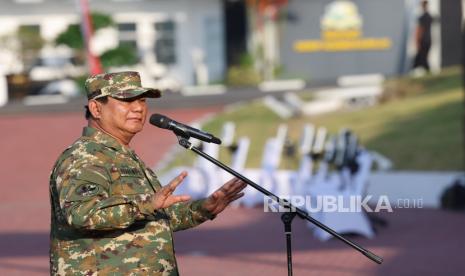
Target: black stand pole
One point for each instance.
(287, 220)
(284, 203)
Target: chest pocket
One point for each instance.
(129, 180)
(153, 179)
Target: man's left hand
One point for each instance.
(221, 198)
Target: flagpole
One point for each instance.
(93, 62)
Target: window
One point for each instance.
(129, 43)
(165, 43)
(127, 27)
(32, 29)
(128, 36)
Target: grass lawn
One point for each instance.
(420, 130)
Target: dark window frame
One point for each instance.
(166, 42)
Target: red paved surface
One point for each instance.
(239, 242)
(250, 242)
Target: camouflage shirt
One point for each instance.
(102, 221)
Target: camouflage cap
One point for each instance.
(121, 85)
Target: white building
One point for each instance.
(177, 39)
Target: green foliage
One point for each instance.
(401, 87)
(246, 60)
(72, 36)
(122, 55)
(31, 42)
(29, 38)
(243, 74)
(240, 76)
(100, 21)
(423, 131)
(80, 82)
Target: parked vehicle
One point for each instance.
(48, 68)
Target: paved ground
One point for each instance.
(170, 100)
(239, 242)
(250, 242)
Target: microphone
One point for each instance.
(182, 130)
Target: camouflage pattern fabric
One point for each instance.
(102, 221)
(121, 85)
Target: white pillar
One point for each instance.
(200, 68)
(3, 87)
(435, 52)
(463, 12)
(270, 43)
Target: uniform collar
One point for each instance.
(104, 139)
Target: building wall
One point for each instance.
(383, 22)
(451, 29)
(198, 26)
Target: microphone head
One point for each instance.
(179, 129)
(215, 140)
(159, 121)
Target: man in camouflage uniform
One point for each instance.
(110, 215)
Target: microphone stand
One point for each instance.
(288, 216)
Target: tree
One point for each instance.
(120, 56)
(30, 42)
(73, 38)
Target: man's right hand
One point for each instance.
(164, 197)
